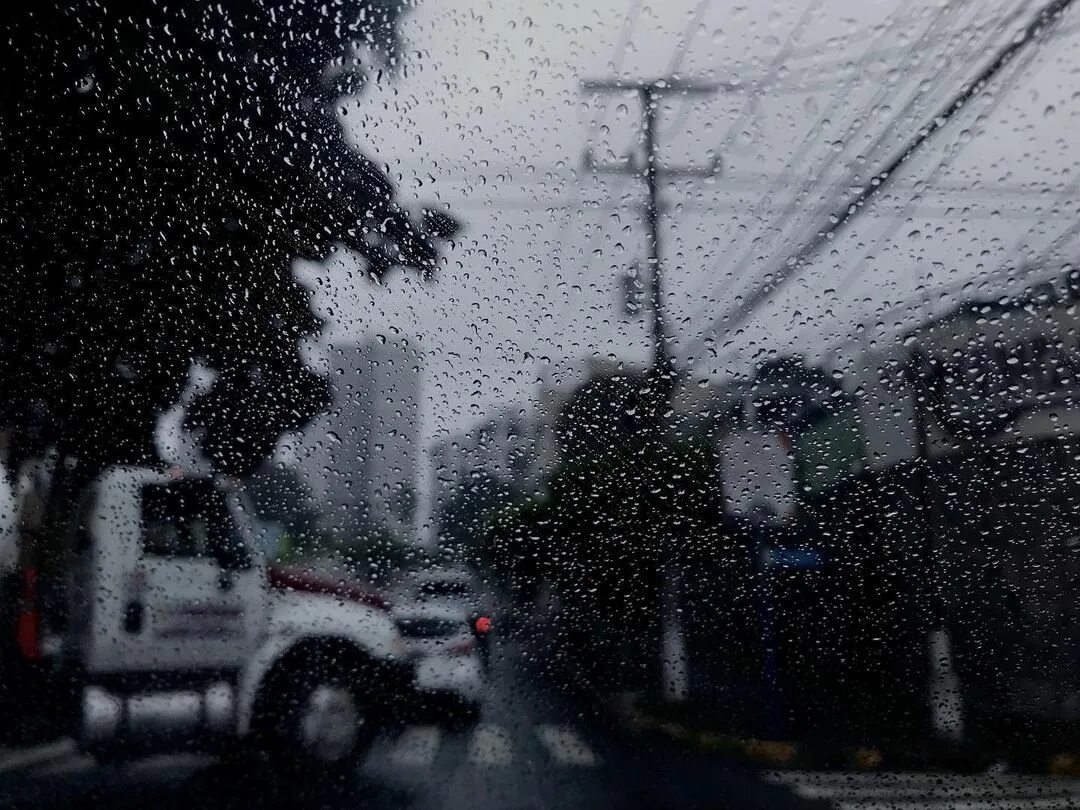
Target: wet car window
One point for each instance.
(444, 589)
(508, 404)
(429, 628)
(186, 522)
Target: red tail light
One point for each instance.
(28, 624)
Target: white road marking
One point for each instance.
(867, 790)
(564, 745)
(490, 745)
(416, 747)
(943, 793)
(1010, 803)
(171, 763)
(28, 757)
(912, 777)
(68, 766)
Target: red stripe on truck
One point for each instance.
(306, 581)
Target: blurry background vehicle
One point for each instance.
(449, 671)
(452, 585)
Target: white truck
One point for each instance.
(162, 620)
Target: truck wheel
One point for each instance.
(324, 721)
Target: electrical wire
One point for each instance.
(622, 45)
(775, 64)
(1045, 18)
(809, 140)
(899, 220)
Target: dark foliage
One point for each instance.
(165, 163)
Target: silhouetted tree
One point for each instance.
(165, 163)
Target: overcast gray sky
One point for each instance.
(487, 117)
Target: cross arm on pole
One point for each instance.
(655, 87)
(634, 165)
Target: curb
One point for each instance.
(792, 754)
(779, 753)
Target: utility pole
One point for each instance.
(647, 166)
(943, 688)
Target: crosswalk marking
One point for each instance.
(29, 757)
(67, 766)
(564, 744)
(1010, 803)
(861, 790)
(490, 745)
(416, 747)
(911, 793)
(856, 778)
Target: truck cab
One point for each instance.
(165, 588)
(160, 621)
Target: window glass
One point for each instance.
(547, 403)
(184, 520)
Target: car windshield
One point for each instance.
(419, 627)
(445, 588)
(513, 404)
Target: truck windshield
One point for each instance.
(189, 519)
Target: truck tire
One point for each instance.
(316, 717)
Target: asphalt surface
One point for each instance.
(529, 750)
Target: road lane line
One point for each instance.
(1010, 803)
(566, 746)
(915, 790)
(907, 794)
(490, 745)
(28, 757)
(416, 747)
(910, 778)
(172, 764)
(68, 766)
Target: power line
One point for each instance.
(1049, 14)
(622, 44)
(909, 209)
(547, 175)
(625, 35)
(820, 71)
(777, 60)
(527, 203)
(1028, 267)
(898, 222)
(688, 35)
(784, 179)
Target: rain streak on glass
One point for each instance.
(522, 405)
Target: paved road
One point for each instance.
(529, 751)
(900, 790)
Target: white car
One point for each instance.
(441, 645)
(444, 585)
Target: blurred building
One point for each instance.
(514, 449)
(363, 464)
(964, 486)
(512, 452)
